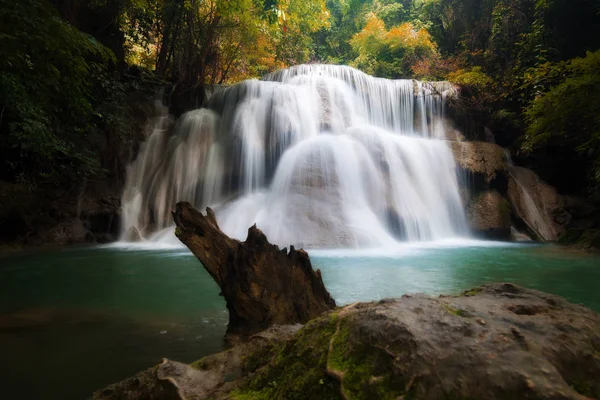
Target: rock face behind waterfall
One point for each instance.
(537, 204)
(498, 341)
(501, 198)
(489, 214)
(484, 173)
(262, 284)
(483, 164)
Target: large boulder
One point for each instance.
(483, 172)
(482, 165)
(488, 214)
(498, 341)
(537, 205)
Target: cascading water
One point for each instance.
(315, 155)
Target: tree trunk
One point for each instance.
(262, 285)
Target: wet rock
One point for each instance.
(537, 205)
(262, 284)
(482, 165)
(489, 215)
(496, 341)
(518, 236)
(48, 215)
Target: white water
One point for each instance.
(318, 156)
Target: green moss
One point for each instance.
(249, 395)
(471, 292)
(201, 364)
(367, 370)
(584, 389)
(459, 312)
(294, 370)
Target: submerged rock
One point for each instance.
(495, 341)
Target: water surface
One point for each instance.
(75, 319)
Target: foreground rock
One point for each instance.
(262, 284)
(498, 341)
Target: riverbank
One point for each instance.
(489, 342)
(105, 312)
(38, 215)
(493, 341)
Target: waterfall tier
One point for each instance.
(315, 155)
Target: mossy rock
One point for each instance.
(294, 369)
(450, 347)
(587, 239)
(498, 341)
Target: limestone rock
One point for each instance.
(537, 204)
(483, 164)
(518, 236)
(488, 214)
(498, 341)
(262, 284)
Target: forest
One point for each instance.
(529, 69)
(433, 167)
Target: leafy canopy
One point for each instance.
(391, 53)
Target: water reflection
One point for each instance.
(80, 318)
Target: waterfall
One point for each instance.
(318, 156)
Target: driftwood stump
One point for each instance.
(262, 284)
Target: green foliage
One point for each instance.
(473, 78)
(391, 54)
(58, 87)
(47, 75)
(347, 17)
(568, 114)
(205, 42)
